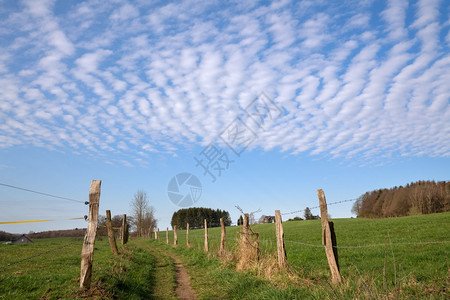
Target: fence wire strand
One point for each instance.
(48, 220)
(318, 206)
(41, 193)
(371, 245)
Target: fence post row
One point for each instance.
(111, 237)
(245, 225)
(124, 229)
(127, 232)
(188, 244)
(327, 239)
(248, 245)
(222, 237)
(175, 236)
(87, 252)
(206, 236)
(281, 250)
(167, 235)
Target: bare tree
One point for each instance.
(142, 213)
(149, 222)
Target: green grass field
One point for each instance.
(383, 258)
(401, 255)
(136, 274)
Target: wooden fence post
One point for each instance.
(222, 237)
(124, 229)
(245, 225)
(157, 236)
(248, 246)
(281, 250)
(175, 236)
(206, 236)
(167, 235)
(327, 239)
(111, 237)
(188, 244)
(127, 232)
(87, 252)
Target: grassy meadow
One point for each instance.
(386, 255)
(379, 258)
(135, 274)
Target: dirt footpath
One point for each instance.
(184, 290)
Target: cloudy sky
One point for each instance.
(135, 92)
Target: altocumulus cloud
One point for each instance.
(361, 79)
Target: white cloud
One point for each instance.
(427, 13)
(125, 12)
(395, 15)
(314, 31)
(111, 78)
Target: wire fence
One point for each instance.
(371, 245)
(42, 220)
(347, 247)
(318, 206)
(42, 193)
(48, 220)
(196, 239)
(39, 254)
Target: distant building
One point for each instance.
(22, 240)
(269, 219)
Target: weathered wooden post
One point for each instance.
(175, 236)
(281, 250)
(87, 252)
(156, 236)
(245, 225)
(206, 236)
(327, 239)
(111, 237)
(188, 244)
(167, 235)
(124, 229)
(222, 237)
(127, 232)
(248, 246)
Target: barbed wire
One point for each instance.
(371, 245)
(393, 244)
(251, 213)
(41, 193)
(39, 254)
(318, 206)
(360, 246)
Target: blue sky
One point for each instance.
(131, 92)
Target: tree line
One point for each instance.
(77, 232)
(421, 197)
(195, 216)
